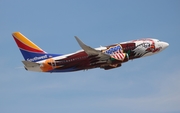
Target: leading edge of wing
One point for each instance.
(91, 51)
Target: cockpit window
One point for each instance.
(146, 45)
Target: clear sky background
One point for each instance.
(146, 85)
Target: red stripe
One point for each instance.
(122, 54)
(25, 47)
(119, 56)
(116, 57)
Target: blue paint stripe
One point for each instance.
(64, 70)
(34, 57)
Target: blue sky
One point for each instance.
(146, 85)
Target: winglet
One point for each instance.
(92, 51)
(87, 49)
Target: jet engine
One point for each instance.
(110, 66)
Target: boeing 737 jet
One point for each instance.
(104, 57)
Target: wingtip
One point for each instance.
(76, 37)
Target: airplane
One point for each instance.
(104, 57)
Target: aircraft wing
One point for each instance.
(102, 57)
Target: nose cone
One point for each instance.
(164, 45)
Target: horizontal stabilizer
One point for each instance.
(30, 64)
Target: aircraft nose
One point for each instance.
(164, 44)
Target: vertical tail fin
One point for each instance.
(30, 51)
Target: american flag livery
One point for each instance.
(119, 55)
(116, 52)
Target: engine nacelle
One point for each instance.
(110, 66)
